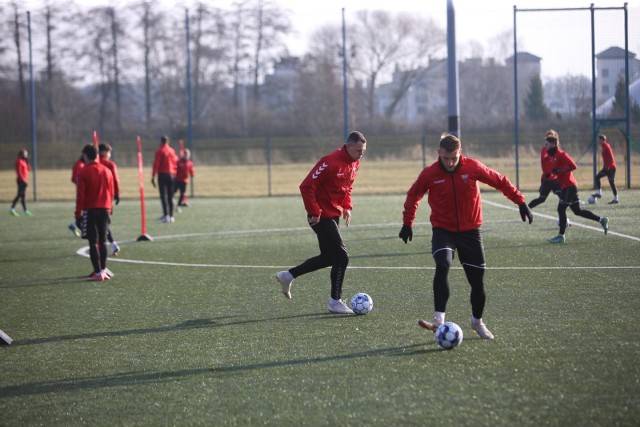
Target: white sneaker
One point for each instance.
(285, 278)
(164, 219)
(171, 219)
(339, 306)
(482, 330)
(108, 272)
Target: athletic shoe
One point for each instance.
(285, 278)
(432, 325)
(13, 212)
(596, 196)
(481, 329)
(178, 209)
(165, 219)
(97, 277)
(338, 306)
(613, 202)
(172, 219)
(28, 213)
(108, 273)
(114, 249)
(558, 239)
(604, 222)
(74, 229)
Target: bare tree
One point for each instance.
(384, 40)
(16, 39)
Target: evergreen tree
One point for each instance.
(534, 106)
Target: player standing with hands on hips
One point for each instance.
(326, 193)
(456, 216)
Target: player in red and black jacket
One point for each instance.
(183, 172)
(104, 153)
(94, 200)
(165, 165)
(608, 170)
(563, 166)
(548, 181)
(22, 176)
(326, 193)
(456, 216)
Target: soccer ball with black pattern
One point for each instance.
(361, 303)
(449, 335)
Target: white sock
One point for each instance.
(476, 321)
(439, 315)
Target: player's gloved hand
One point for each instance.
(153, 182)
(116, 197)
(525, 212)
(547, 175)
(79, 222)
(406, 233)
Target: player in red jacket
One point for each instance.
(608, 170)
(75, 171)
(104, 153)
(326, 194)
(93, 206)
(22, 176)
(165, 165)
(563, 166)
(456, 216)
(183, 172)
(548, 181)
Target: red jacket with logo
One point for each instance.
(454, 197)
(95, 188)
(564, 164)
(547, 166)
(165, 160)
(326, 191)
(111, 165)
(607, 156)
(22, 170)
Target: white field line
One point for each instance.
(84, 251)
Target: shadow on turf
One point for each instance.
(188, 324)
(137, 378)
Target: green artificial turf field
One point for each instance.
(193, 329)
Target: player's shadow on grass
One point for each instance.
(186, 325)
(139, 378)
(46, 282)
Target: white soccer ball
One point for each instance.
(361, 303)
(591, 200)
(449, 335)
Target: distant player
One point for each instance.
(183, 172)
(563, 166)
(22, 176)
(93, 206)
(608, 170)
(104, 151)
(165, 165)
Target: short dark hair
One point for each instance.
(602, 136)
(90, 151)
(164, 139)
(355, 137)
(104, 147)
(450, 142)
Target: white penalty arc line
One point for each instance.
(577, 224)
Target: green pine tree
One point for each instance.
(534, 107)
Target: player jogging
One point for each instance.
(93, 204)
(548, 181)
(608, 170)
(451, 185)
(563, 165)
(22, 176)
(326, 193)
(183, 172)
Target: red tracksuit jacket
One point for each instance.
(165, 160)
(114, 171)
(562, 160)
(184, 170)
(22, 170)
(547, 166)
(95, 188)
(607, 156)
(454, 197)
(326, 190)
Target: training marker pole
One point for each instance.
(144, 236)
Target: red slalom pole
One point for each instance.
(181, 148)
(95, 138)
(144, 236)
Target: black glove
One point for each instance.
(555, 171)
(116, 197)
(525, 212)
(406, 233)
(79, 222)
(153, 182)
